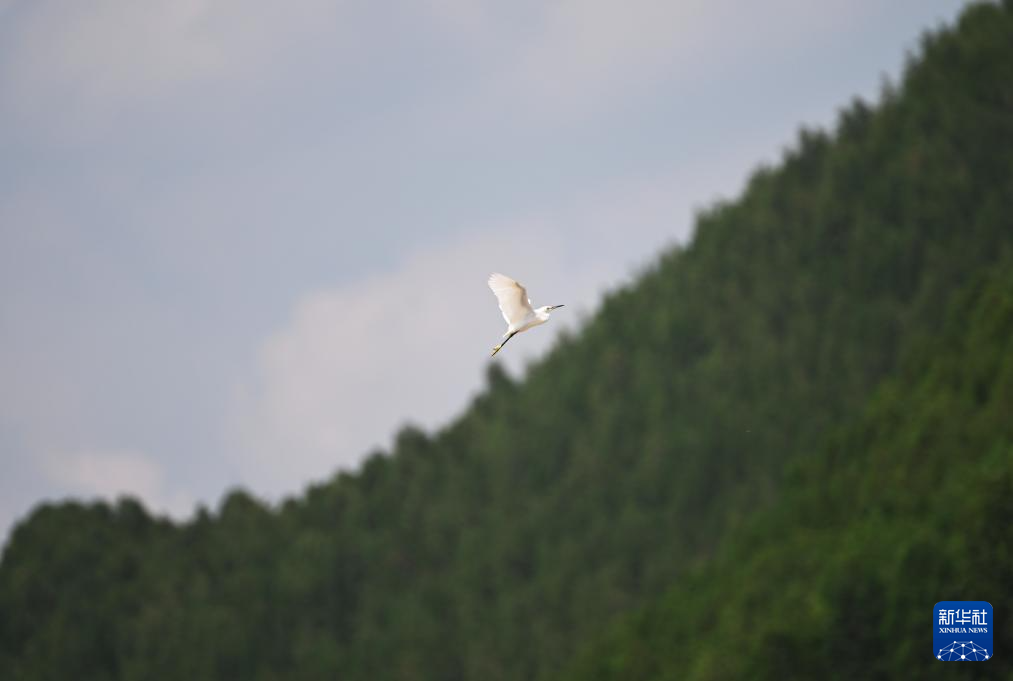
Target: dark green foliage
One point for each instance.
(711, 435)
(908, 505)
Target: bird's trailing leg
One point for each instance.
(500, 346)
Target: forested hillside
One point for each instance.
(909, 504)
(783, 442)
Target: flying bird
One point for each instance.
(516, 308)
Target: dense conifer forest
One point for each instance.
(767, 457)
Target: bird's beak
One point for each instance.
(555, 306)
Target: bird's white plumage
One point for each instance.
(517, 310)
(513, 300)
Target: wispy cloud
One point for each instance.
(75, 69)
(355, 362)
(585, 56)
(109, 474)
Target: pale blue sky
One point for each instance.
(241, 242)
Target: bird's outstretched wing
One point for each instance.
(513, 299)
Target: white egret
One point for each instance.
(516, 308)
